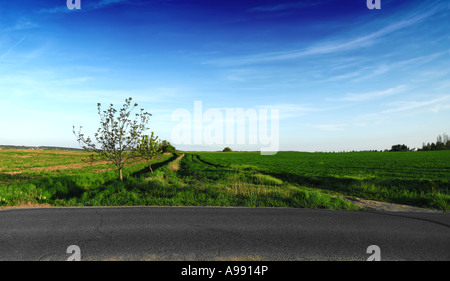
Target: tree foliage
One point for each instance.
(167, 147)
(442, 143)
(149, 147)
(399, 147)
(118, 135)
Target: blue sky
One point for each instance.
(343, 77)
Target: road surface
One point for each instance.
(214, 233)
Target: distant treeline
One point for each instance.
(400, 147)
(37, 147)
(442, 143)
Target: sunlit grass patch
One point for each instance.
(267, 179)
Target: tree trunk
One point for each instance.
(150, 166)
(120, 174)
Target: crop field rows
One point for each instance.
(287, 179)
(418, 178)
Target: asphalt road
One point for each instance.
(210, 233)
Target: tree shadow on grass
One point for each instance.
(155, 166)
(59, 187)
(199, 159)
(73, 186)
(66, 188)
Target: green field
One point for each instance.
(287, 179)
(414, 178)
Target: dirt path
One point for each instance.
(372, 205)
(58, 167)
(71, 166)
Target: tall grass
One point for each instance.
(239, 179)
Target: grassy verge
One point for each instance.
(232, 179)
(68, 187)
(178, 180)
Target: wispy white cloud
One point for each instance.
(22, 24)
(12, 48)
(59, 9)
(406, 107)
(103, 3)
(331, 46)
(331, 127)
(382, 68)
(443, 85)
(286, 6)
(434, 105)
(345, 76)
(294, 110)
(358, 97)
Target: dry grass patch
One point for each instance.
(175, 164)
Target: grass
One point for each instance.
(414, 178)
(299, 180)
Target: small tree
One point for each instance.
(227, 149)
(167, 147)
(118, 136)
(149, 147)
(399, 147)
